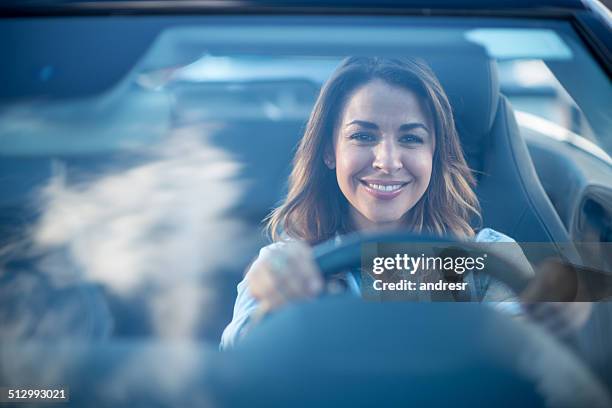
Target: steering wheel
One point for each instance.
(359, 353)
(505, 266)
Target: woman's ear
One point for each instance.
(329, 159)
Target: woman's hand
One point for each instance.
(560, 318)
(285, 274)
(553, 299)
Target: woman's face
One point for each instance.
(383, 152)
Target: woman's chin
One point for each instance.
(375, 217)
(384, 222)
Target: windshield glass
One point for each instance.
(136, 183)
(196, 139)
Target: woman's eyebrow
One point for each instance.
(411, 126)
(363, 123)
(403, 128)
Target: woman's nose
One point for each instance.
(387, 157)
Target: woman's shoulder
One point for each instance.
(490, 235)
(283, 241)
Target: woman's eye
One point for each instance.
(411, 139)
(363, 137)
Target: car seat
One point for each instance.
(512, 198)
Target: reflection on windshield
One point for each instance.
(141, 233)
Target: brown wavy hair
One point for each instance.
(315, 209)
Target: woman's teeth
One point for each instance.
(381, 187)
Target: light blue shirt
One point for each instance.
(482, 287)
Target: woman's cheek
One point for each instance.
(420, 166)
(351, 162)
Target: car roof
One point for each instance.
(307, 6)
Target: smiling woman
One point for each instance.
(376, 123)
(380, 152)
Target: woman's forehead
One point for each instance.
(385, 105)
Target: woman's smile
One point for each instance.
(384, 189)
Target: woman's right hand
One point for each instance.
(287, 272)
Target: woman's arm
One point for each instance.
(283, 272)
(245, 307)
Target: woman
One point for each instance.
(380, 152)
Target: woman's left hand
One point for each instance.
(560, 318)
(551, 299)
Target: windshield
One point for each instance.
(145, 175)
(196, 139)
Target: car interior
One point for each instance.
(529, 187)
(518, 179)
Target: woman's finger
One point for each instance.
(287, 273)
(542, 311)
(560, 318)
(309, 273)
(295, 271)
(265, 286)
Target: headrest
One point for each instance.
(470, 80)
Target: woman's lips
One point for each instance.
(386, 190)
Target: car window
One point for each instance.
(171, 171)
(141, 157)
